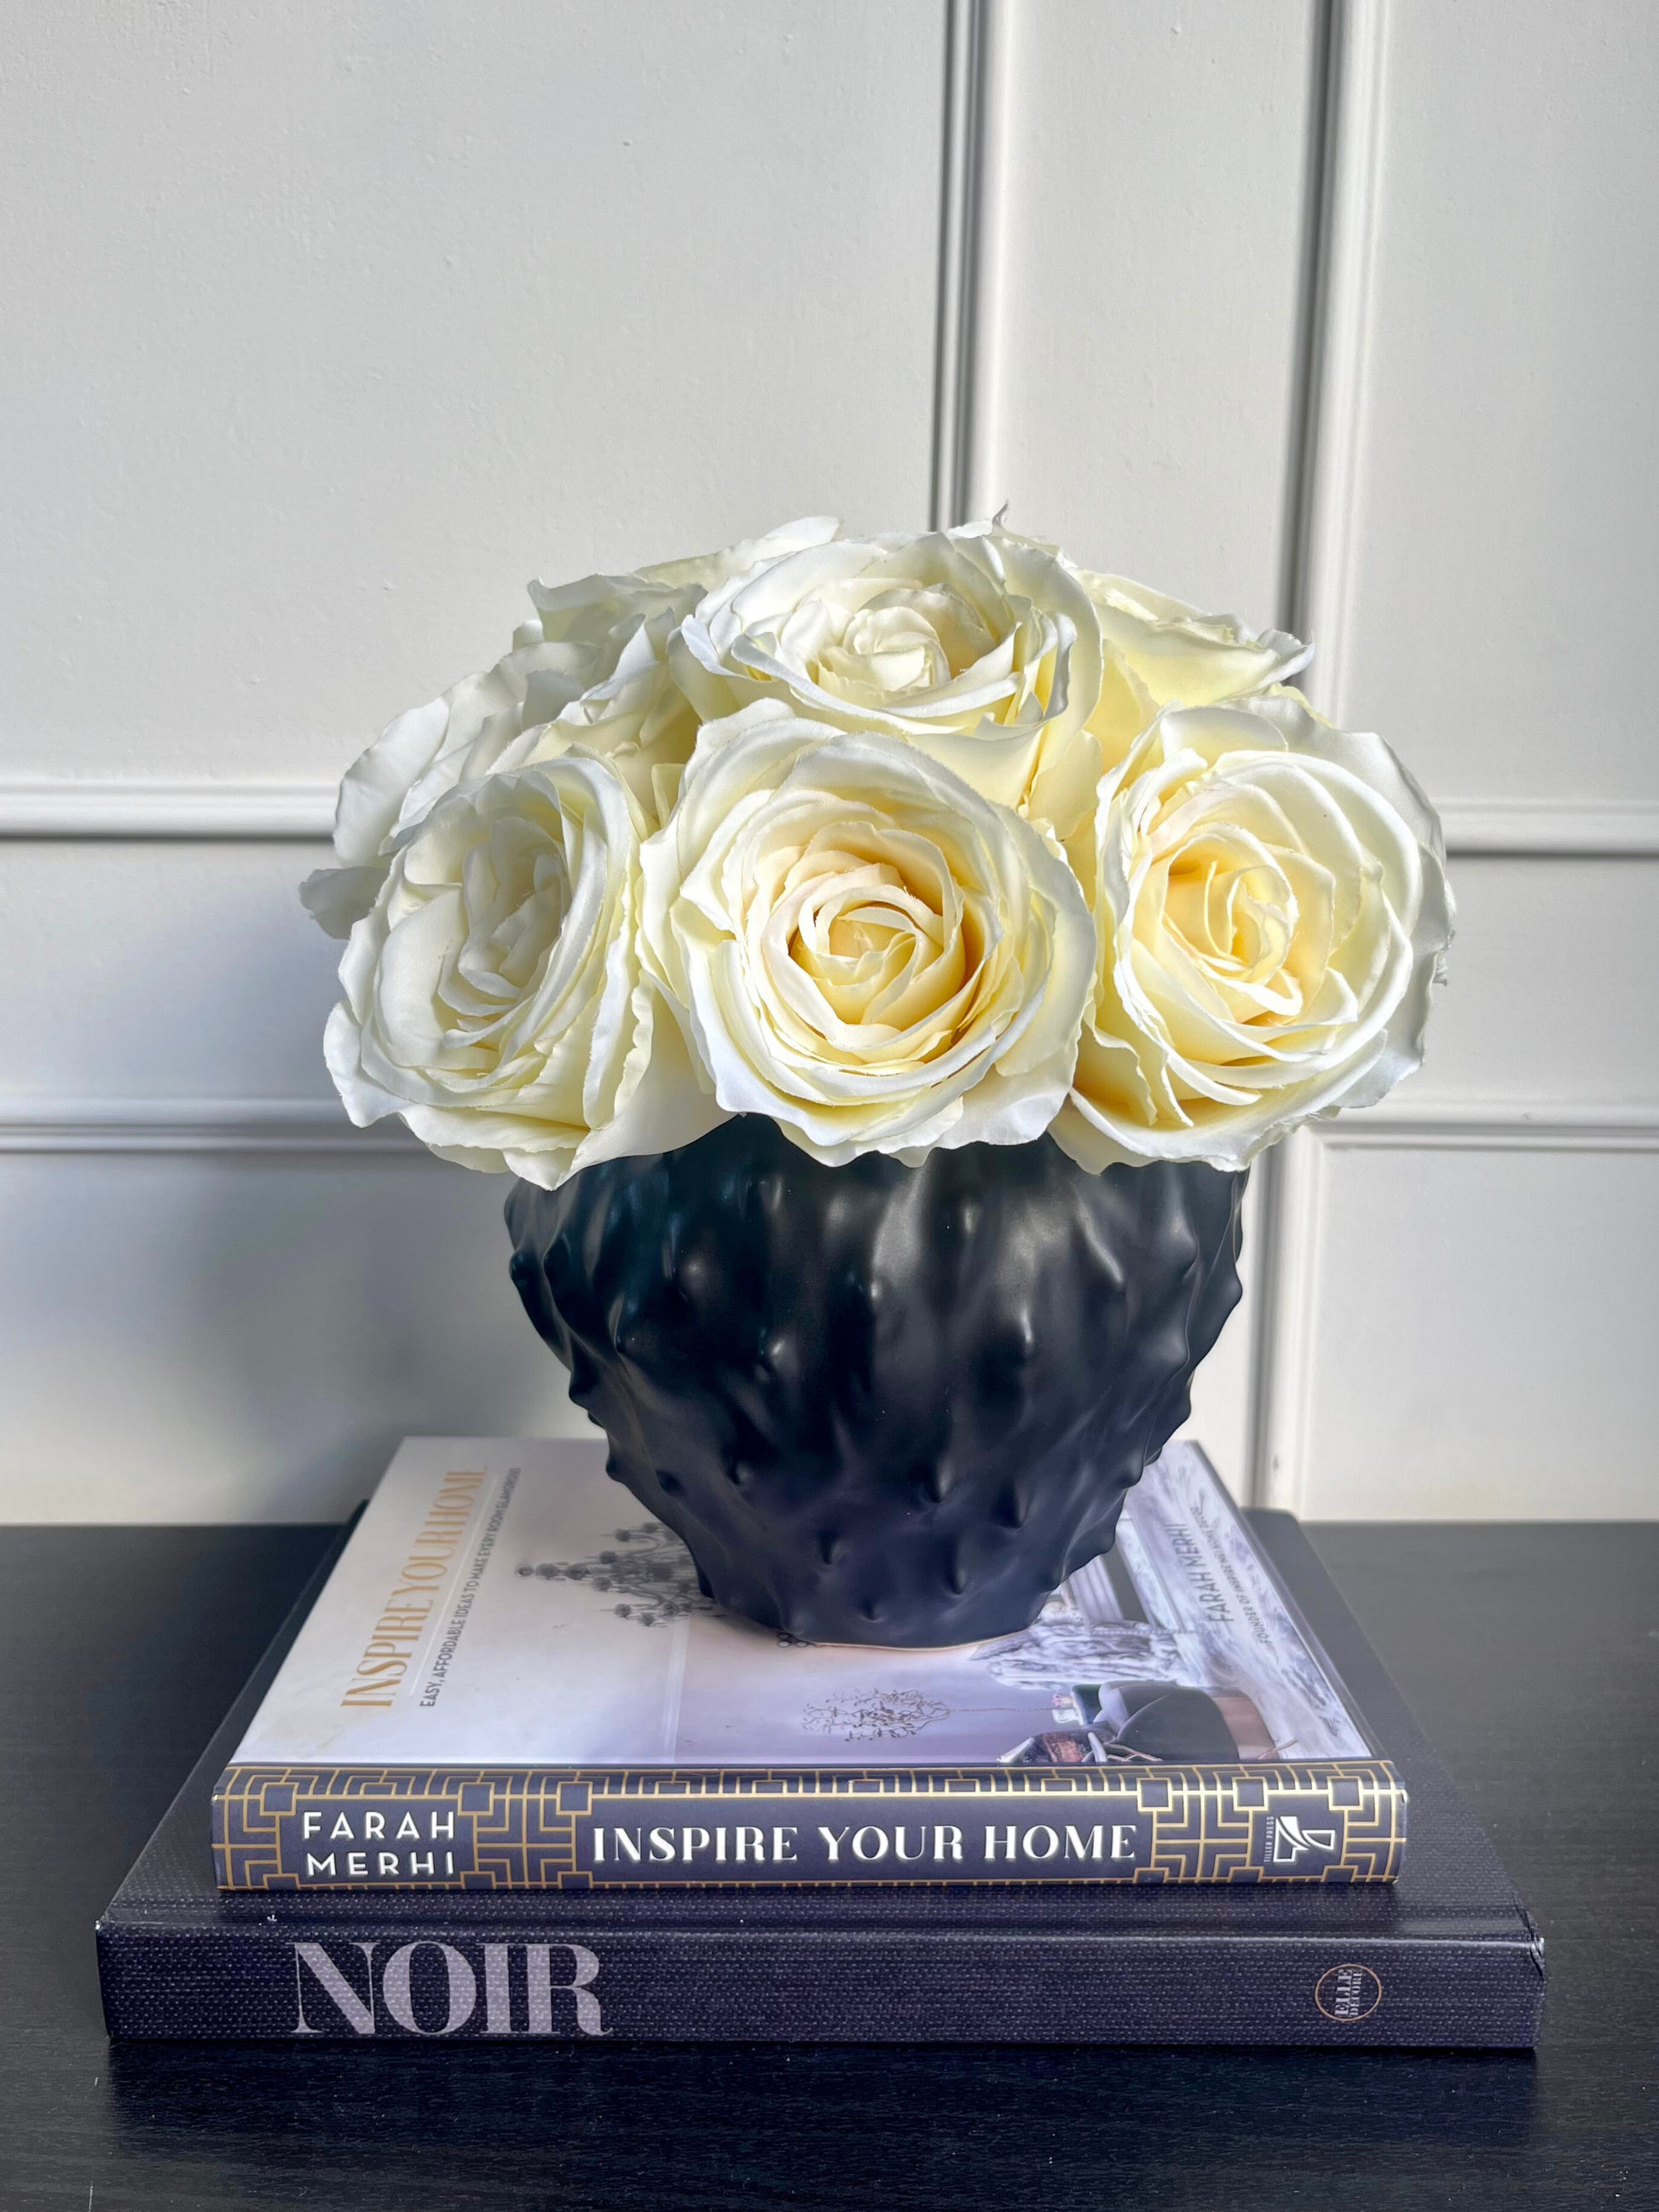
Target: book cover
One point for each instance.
(511, 1681)
(1443, 1957)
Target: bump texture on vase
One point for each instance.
(880, 1404)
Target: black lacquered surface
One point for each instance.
(1532, 1656)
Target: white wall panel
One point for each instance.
(1483, 1337)
(1142, 362)
(162, 971)
(1463, 1288)
(1508, 533)
(1533, 1128)
(1153, 250)
(327, 325)
(1552, 990)
(247, 1338)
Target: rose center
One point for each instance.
(1229, 915)
(856, 940)
(900, 643)
(515, 889)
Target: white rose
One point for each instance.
(1155, 653)
(493, 996)
(590, 669)
(1271, 908)
(976, 646)
(1180, 658)
(863, 946)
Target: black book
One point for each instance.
(1444, 1955)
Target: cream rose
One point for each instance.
(589, 670)
(861, 945)
(493, 995)
(977, 646)
(1178, 657)
(1271, 910)
(1156, 652)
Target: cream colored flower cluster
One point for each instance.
(902, 842)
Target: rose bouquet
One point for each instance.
(903, 843)
(766, 915)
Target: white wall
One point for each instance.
(330, 324)
(1465, 1280)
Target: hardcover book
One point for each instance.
(511, 1681)
(1444, 1956)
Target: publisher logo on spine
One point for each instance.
(1347, 1993)
(1303, 1835)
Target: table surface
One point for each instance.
(1531, 1656)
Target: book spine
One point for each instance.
(436, 1980)
(294, 1828)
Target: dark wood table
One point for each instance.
(1530, 1654)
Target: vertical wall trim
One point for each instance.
(1338, 319)
(1287, 1275)
(972, 195)
(1346, 137)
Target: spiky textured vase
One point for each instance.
(880, 1404)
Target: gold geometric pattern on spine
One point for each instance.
(1206, 1822)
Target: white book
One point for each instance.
(511, 1681)
(503, 1603)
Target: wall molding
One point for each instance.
(1480, 1125)
(1292, 1232)
(1552, 830)
(1291, 1223)
(1346, 150)
(195, 1125)
(1399, 1124)
(1347, 132)
(213, 812)
(972, 199)
(202, 808)
(1290, 1214)
(243, 1125)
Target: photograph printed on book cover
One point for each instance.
(509, 1612)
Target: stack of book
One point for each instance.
(507, 1773)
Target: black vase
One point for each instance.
(880, 1404)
